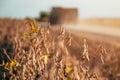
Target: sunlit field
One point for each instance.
(111, 22)
(31, 51)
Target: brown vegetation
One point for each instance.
(30, 51)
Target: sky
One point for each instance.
(87, 8)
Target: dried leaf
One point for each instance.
(46, 58)
(13, 64)
(68, 69)
(26, 36)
